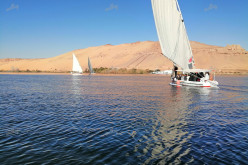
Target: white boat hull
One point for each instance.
(206, 83)
(76, 74)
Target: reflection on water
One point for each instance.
(75, 85)
(121, 120)
(169, 139)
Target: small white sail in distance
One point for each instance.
(90, 67)
(172, 34)
(76, 68)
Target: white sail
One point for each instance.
(90, 67)
(76, 66)
(172, 34)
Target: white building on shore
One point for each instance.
(163, 72)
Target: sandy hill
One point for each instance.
(139, 55)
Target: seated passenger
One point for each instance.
(207, 76)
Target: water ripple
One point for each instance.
(47, 119)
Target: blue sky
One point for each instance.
(48, 28)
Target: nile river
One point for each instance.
(121, 119)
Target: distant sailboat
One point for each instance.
(90, 67)
(76, 68)
(175, 45)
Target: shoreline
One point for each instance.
(99, 74)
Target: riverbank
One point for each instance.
(111, 73)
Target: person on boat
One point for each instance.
(182, 77)
(175, 70)
(188, 77)
(198, 76)
(192, 77)
(207, 76)
(185, 77)
(195, 76)
(211, 77)
(178, 77)
(174, 75)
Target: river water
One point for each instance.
(121, 119)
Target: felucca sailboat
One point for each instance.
(76, 68)
(175, 45)
(90, 67)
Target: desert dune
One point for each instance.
(138, 55)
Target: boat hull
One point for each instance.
(206, 84)
(76, 73)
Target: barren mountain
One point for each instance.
(138, 55)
